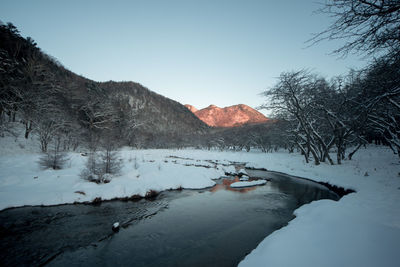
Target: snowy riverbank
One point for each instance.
(362, 229)
(22, 182)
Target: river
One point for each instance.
(218, 226)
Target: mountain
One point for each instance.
(191, 108)
(231, 116)
(163, 121)
(38, 91)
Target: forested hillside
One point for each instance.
(56, 104)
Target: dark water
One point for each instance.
(214, 227)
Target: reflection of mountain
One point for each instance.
(232, 116)
(226, 185)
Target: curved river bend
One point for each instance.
(211, 227)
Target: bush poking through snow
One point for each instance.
(111, 163)
(55, 161)
(54, 158)
(101, 166)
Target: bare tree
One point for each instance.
(41, 106)
(292, 98)
(102, 120)
(10, 86)
(318, 115)
(367, 26)
(111, 162)
(54, 158)
(103, 163)
(381, 100)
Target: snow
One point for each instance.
(247, 184)
(23, 182)
(362, 229)
(18, 187)
(242, 171)
(116, 225)
(244, 178)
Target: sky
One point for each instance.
(196, 52)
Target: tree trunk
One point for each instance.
(354, 151)
(315, 156)
(303, 152)
(28, 128)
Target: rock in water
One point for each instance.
(115, 227)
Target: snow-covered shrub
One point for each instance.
(53, 160)
(101, 166)
(54, 157)
(110, 161)
(92, 171)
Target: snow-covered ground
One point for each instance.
(362, 229)
(23, 182)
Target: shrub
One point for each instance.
(101, 166)
(54, 158)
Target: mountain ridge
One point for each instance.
(231, 116)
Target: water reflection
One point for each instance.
(225, 184)
(303, 190)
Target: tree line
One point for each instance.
(318, 116)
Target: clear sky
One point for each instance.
(195, 52)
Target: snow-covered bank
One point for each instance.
(22, 182)
(362, 229)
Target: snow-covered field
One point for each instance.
(362, 229)
(23, 182)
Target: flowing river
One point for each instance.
(211, 227)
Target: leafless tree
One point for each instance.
(292, 96)
(111, 162)
(41, 106)
(381, 100)
(104, 162)
(367, 26)
(54, 158)
(318, 115)
(10, 86)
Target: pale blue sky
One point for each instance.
(197, 52)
